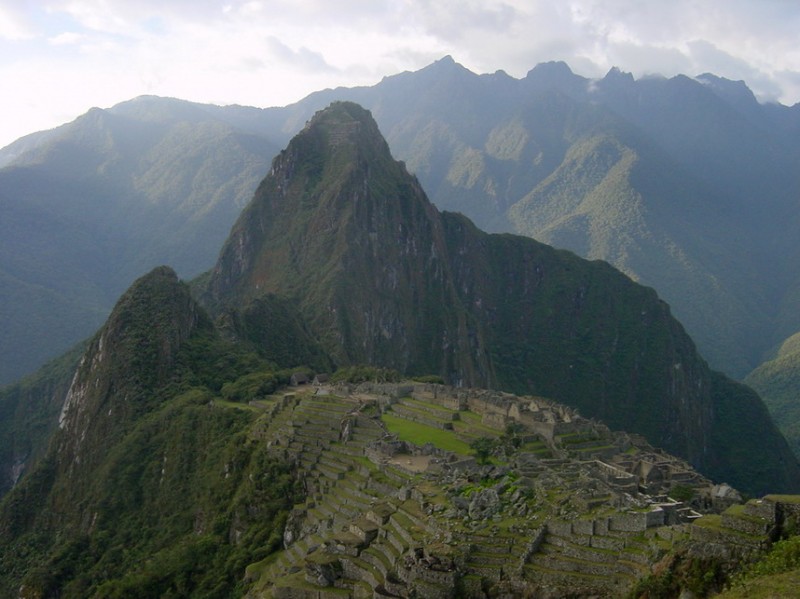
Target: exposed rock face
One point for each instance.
(484, 504)
(131, 355)
(344, 233)
(28, 415)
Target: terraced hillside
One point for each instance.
(401, 501)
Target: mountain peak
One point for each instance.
(342, 123)
(734, 92)
(344, 232)
(555, 75)
(616, 75)
(551, 69)
(319, 187)
(131, 355)
(447, 67)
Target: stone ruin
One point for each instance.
(590, 511)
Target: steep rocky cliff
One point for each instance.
(348, 236)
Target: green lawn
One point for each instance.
(419, 434)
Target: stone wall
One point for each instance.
(727, 539)
(531, 547)
(629, 522)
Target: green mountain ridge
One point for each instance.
(777, 381)
(182, 466)
(132, 485)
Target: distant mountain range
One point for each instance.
(687, 185)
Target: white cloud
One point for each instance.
(737, 39)
(67, 38)
(13, 24)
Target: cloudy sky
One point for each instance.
(58, 58)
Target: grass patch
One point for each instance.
(714, 522)
(710, 521)
(409, 401)
(792, 499)
(766, 587)
(475, 421)
(738, 511)
(419, 434)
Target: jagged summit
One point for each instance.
(735, 92)
(554, 71)
(618, 76)
(555, 75)
(347, 234)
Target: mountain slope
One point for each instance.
(711, 174)
(778, 382)
(149, 487)
(29, 413)
(381, 277)
(101, 200)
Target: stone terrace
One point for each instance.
(560, 505)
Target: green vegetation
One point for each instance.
(164, 515)
(701, 576)
(29, 413)
(255, 385)
(682, 493)
(483, 448)
(778, 383)
(171, 496)
(744, 421)
(783, 556)
(420, 434)
(765, 587)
